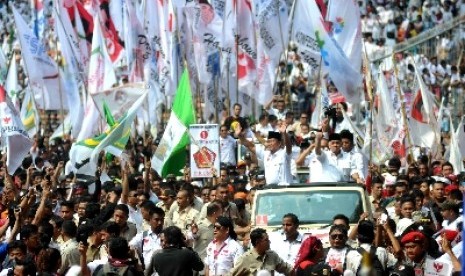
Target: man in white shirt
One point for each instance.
(288, 241)
(278, 109)
(263, 126)
(147, 242)
(356, 159)
(276, 158)
(334, 160)
(227, 147)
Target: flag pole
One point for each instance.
(402, 107)
(369, 85)
(285, 49)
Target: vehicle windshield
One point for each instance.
(310, 206)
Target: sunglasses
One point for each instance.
(217, 227)
(337, 236)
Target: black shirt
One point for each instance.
(175, 262)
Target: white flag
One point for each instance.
(13, 134)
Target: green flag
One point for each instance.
(108, 117)
(170, 156)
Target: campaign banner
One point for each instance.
(437, 268)
(204, 150)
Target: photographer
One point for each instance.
(336, 118)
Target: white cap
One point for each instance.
(441, 179)
(402, 225)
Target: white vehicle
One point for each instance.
(314, 204)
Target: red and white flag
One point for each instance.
(14, 137)
(101, 77)
(246, 45)
(423, 122)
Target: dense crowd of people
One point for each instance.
(128, 220)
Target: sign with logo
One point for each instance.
(437, 268)
(204, 150)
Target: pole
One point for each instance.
(402, 107)
(369, 84)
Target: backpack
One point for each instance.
(378, 269)
(108, 270)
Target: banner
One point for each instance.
(119, 99)
(204, 150)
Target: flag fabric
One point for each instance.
(63, 129)
(72, 68)
(119, 99)
(423, 121)
(14, 137)
(271, 42)
(115, 48)
(101, 77)
(160, 21)
(345, 77)
(84, 153)
(3, 66)
(41, 68)
(346, 28)
(170, 155)
(29, 115)
(80, 17)
(460, 140)
(455, 156)
(303, 33)
(11, 85)
(118, 136)
(246, 46)
(387, 123)
(39, 18)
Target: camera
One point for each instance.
(329, 112)
(305, 143)
(82, 237)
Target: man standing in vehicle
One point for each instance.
(276, 158)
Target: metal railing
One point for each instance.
(426, 42)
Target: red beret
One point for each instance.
(415, 236)
(450, 235)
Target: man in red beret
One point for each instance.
(415, 248)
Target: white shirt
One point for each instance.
(341, 162)
(263, 130)
(357, 162)
(146, 245)
(277, 165)
(286, 249)
(354, 258)
(336, 257)
(281, 115)
(322, 172)
(227, 147)
(135, 216)
(220, 261)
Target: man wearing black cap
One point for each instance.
(276, 158)
(335, 166)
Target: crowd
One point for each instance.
(128, 220)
